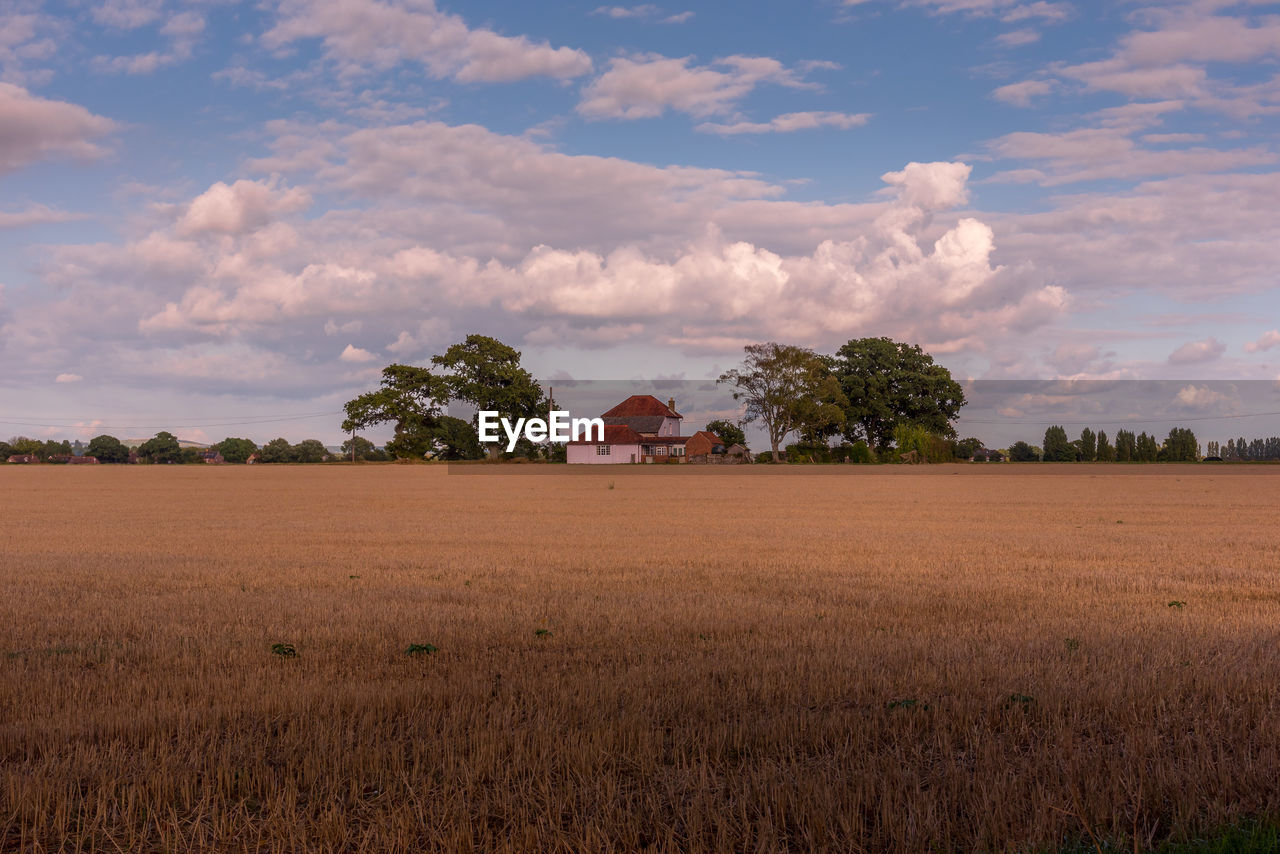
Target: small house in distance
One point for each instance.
(643, 429)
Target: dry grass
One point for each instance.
(721, 657)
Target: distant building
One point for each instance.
(23, 459)
(211, 458)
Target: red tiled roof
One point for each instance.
(614, 434)
(715, 440)
(641, 404)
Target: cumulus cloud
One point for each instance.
(381, 34)
(354, 354)
(713, 293)
(789, 123)
(1266, 342)
(1197, 352)
(1202, 398)
(239, 207)
(34, 128)
(647, 85)
(68, 378)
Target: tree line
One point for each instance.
(1179, 446)
(1252, 450)
(164, 448)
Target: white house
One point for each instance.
(642, 429)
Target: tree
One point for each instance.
(966, 448)
(889, 383)
(927, 447)
(1126, 446)
(108, 449)
(1105, 452)
(455, 439)
(52, 448)
(6, 451)
(1146, 450)
(162, 448)
(729, 432)
(1088, 445)
(357, 446)
(189, 456)
(1181, 446)
(1056, 447)
(788, 389)
(310, 451)
(277, 451)
(1021, 452)
(23, 446)
(486, 374)
(410, 398)
(236, 450)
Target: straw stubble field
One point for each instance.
(940, 659)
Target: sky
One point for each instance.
(224, 218)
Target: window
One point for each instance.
(677, 450)
(659, 450)
(604, 450)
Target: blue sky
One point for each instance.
(213, 210)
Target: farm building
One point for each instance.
(642, 429)
(18, 459)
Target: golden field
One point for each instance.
(945, 658)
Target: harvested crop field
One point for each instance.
(947, 658)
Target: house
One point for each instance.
(642, 429)
(23, 458)
(211, 457)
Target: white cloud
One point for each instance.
(789, 123)
(34, 128)
(371, 34)
(1021, 94)
(1197, 352)
(645, 10)
(356, 355)
(708, 292)
(1109, 151)
(68, 378)
(647, 85)
(36, 215)
(1018, 38)
(1201, 398)
(240, 207)
(1266, 342)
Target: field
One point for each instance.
(945, 658)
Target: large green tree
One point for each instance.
(487, 374)
(1088, 445)
(1181, 446)
(1021, 452)
(161, 448)
(888, 383)
(277, 451)
(409, 398)
(107, 449)
(1057, 448)
(788, 389)
(1106, 452)
(310, 451)
(236, 450)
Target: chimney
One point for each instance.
(671, 404)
